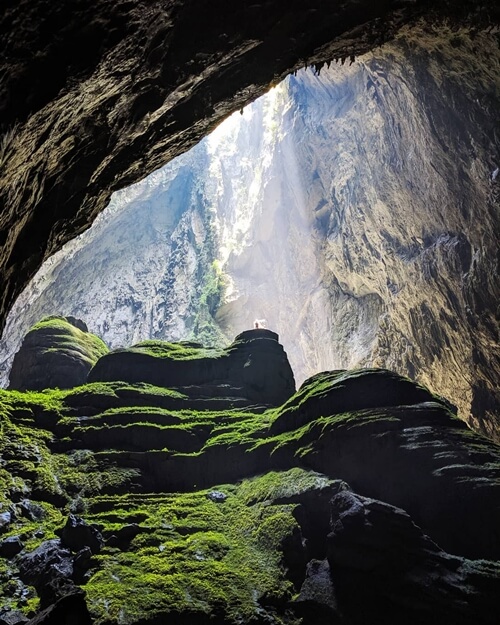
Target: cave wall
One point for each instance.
(412, 241)
(94, 97)
(353, 209)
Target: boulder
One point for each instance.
(12, 617)
(77, 534)
(49, 568)
(57, 352)
(5, 520)
(10, 547)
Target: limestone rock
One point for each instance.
(254, 522)
(317, 601)
(77, 534)
(418, 457)
(254, 367)
(49, 568)
(57, 352)
(12, 617)
(10, 547)
(337, 392)
(385, 568)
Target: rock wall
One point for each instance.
(354, 210)
(93, 98)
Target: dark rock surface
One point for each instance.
(336, 392)
(70, 609)
(10, 547)
(317, 600)
(386, 570)
(164, 77)
(49, 568)
(58, 352)
(77, 534)
(12, 617)
(254, 367)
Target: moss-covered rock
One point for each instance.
(336, 392)
(223, 515)
(57, 352)
(254, 367)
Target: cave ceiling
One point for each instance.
(96, 95)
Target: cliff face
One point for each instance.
(354, 210)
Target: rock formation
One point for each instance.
(253, 367)
(58, 352)
(361, 499)
(311, 210)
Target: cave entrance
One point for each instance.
(346, 208)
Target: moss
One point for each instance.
(175, 351)
(200, 557)
(70, 338)
(32, 403)
(281, 485)
(100, 396)
(193, 556)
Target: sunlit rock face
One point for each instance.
(353, 210)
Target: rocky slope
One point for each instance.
(354, 210)
(130, 502)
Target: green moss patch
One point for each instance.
(184, 350)
(199, 557)
(69, 338)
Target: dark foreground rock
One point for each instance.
(12, 617)
(386, 570)
(77, 535)
(69, 610)
(58, 352)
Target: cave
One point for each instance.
(357, 478)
